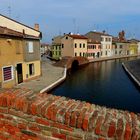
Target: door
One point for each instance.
(19, 73)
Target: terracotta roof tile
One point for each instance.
(77, 36)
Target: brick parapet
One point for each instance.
(45, 116)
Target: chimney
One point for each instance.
(36, 26)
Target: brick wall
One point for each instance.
(25, 115)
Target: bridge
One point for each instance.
(70, 62)
(25, 115)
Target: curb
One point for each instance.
(131, 75)
(53, 85)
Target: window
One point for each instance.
(7, 73)
(59, 53)
(31, 69)
(80, 45)
(66, 37)
(121, 46)
(75, 54)
(80, 53)
(106, 53)
(75, 45)
(102, 39)
(62, 45)
(83, 45)
(30, 47)
(101, 53)
(83, 54)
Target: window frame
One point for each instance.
(30, 47)
(12, 73)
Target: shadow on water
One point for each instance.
(103, 83)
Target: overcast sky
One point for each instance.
(63, 16)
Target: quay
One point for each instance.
(133, 69)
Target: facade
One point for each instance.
(74, 45)
(120, 48)
(19, 53)
(44, 49)
(134, 46)
(56, 47)
(93, 50)
(104, 39)
(106, 46)
(56, 51)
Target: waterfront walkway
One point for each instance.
(133, 69)
(50, 74)
(112, 58)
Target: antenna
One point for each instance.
(18, 17)
(74, 25)
(9, 11)
(59, 31)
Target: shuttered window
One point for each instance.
(30, 47)
(7, 73)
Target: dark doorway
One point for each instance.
(98, 54)
(19, 73)
(74, 65)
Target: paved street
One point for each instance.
(50, 74)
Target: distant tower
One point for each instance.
(36, 26)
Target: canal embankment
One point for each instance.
(133, 69)
(112, 58)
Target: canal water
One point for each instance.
(102, 83)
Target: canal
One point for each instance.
(102, 83)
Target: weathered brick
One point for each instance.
(3, 110)
(92, 120)
(81, 117)
(67, 118)
(98, 125)
(73, 119)
(33, 109)
(34, 127)
(22, 126)
(85, 122)
(62, 126)
(112, 129)
(128, 131)
(60, 136)
(42, 121)
(120, 127)
(73, 138)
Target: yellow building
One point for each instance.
(19, 53)
(74, 45)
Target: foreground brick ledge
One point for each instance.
(45, 116)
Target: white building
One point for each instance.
(106, 45)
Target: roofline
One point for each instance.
(20, 23)
(100, 33)
(77, 35)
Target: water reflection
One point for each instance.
(103, 83)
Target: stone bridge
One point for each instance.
(28, 116)
(69, 62)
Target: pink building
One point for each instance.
(93, 50)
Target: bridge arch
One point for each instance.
(76, 61)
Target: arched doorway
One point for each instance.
(74, 65)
